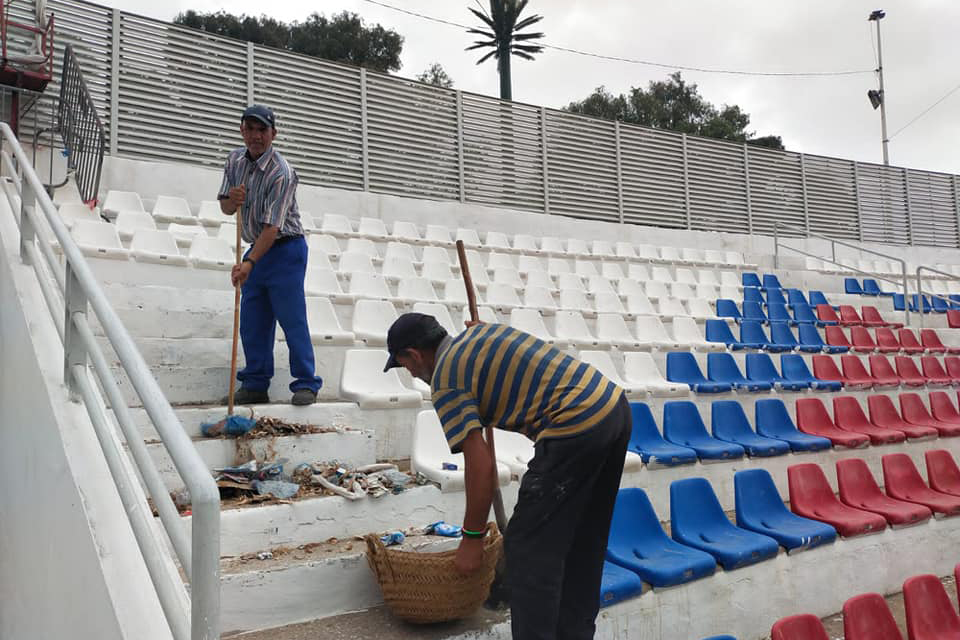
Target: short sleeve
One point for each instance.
(459, 415)
(224, 191)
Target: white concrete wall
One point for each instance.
(69, 566)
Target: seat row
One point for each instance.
(789, 297)
(884, 268)
(887, 341)
(930, 615)
(904, 372)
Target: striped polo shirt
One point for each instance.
(494, 374)
(271, 193)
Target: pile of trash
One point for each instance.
(373, 480)
(264, 479)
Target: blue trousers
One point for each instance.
(273, 293)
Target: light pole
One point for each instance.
(879, 98)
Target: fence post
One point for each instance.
(250, 73)
(74, 301)
(686, 181)
(365, 152)
(856, 194)
(460, 155)
(115, 82)
(906, 189)
(746, 176)
(546, 158)
(803, 185)
(616, 133)
(28, 201)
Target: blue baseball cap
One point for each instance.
(261, 113)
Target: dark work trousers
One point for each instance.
(556, 540)
(273, 292)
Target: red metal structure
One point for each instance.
(23, 70)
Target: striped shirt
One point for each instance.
(271, 193)
(494, 374)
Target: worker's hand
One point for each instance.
(469, 556)
(240, 273)
(236, 196)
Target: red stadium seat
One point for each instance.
(884, 414)
(812, 497)
(930, 613)
(826, 314)
(908, 372)
(867, 617)
(909, 342)
(861, 340)
(914, 412)
(812, 418)
(836, 337)
(872, 318)
(849, 416)
(953, 319)
(849, 316)
(903, 482)
(859, 489)
(931, 341)
(942, 471)
(934, 373)
(942, 409)
(882, 372)
(824, 368)
(855, 374)
(800, 627)
(952, 365)
(887, 341)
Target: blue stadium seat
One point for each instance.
(803, 314)
(752, 294)
(760, 367)
(637, 542)
(618, 584)
(795, 296)
(752, 333)
(719, 331)
(954, 300)
(750, 279)
(817, 297)
(773, 421)
(916, 299)
(730, 423)
(727, 308)
(940, 305)
(682, 367)
(683, 425)
(721, 367)
(646, 441)
(781, 333)
(760, 509)
(724, 637)
(697, 520)
(779, 313)
(775, 296)
(796, 370)
(770, 281)
(852, 286)
(898, 303)
(810, 337)
(753, 311)
(871, 288)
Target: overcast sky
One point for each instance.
(828, 116)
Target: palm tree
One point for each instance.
(503, 38)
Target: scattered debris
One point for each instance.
(372, 480)
(393, 538)
(277, 488)
(264, 555)
(232, 425)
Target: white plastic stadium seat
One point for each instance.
(730, 279)
(650, 330)
(612, 328)
(441, 313)
(686, 276)
(526, 264)
(671, 307)
(630, 287)
(603, 249)
(438, 234)
(326, 243)
(577, 247)
(396, 268)
(503, 296)
(541, 279)
(369, 285)
(336, 225)
(99, 240)
(708, 277)
(625, 250)
(500, 261)
(317, 258)
(352, 262)
(693, 256)
(570, 281)
(212, 253)
(415, 289)
(70, 212)
(372, 228)
(682, 291)
(552, 246)
(497, 240)
(363, 381)
(129, 222)
(638, 272)
(400, 250)
(603, 363)
(525, 243)
(365, 246)
(640, 369)
(173, 209)
(575, 300)
(608, 302)
(540, 298)
(514, 450)
(210, 215)
(437, 272)
(656, 290)
(599, 284)
(639, 305)
(324, 282)
(436, 254)
(557, 266)
(571, 327)
(648, 253)
(661, 274)
(612, 271)
(325, 329)
(700, 308)
(150, 245)
(687, 333)
(117, 201)
(187, 233)
(530, 321)
(371, 320)
(406, 232)
(469, 237)
(430, 454)
(508, 275)
(584, 268)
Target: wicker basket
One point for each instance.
(426, 587)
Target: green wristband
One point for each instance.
(473, 534)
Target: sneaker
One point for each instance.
(247, 396)
(303, 397)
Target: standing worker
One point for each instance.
(259, 183)
(580, 421)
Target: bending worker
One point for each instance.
(580, 421)
(259, 183)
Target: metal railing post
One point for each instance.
(906, 297)
(74, 353)
(28, 199)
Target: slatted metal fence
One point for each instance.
(171, 93)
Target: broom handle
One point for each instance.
(236, 327)
(498, 510)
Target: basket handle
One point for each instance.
(378, 558)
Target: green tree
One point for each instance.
(503, 37)
(436, 76)
(342, 37)
(676, 105)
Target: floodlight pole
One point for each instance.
(877, 16)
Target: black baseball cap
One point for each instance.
(411, 330)
(261, 113)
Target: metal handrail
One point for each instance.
(920, 293)
(833, 248)
(193, 617)
(79, 125)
